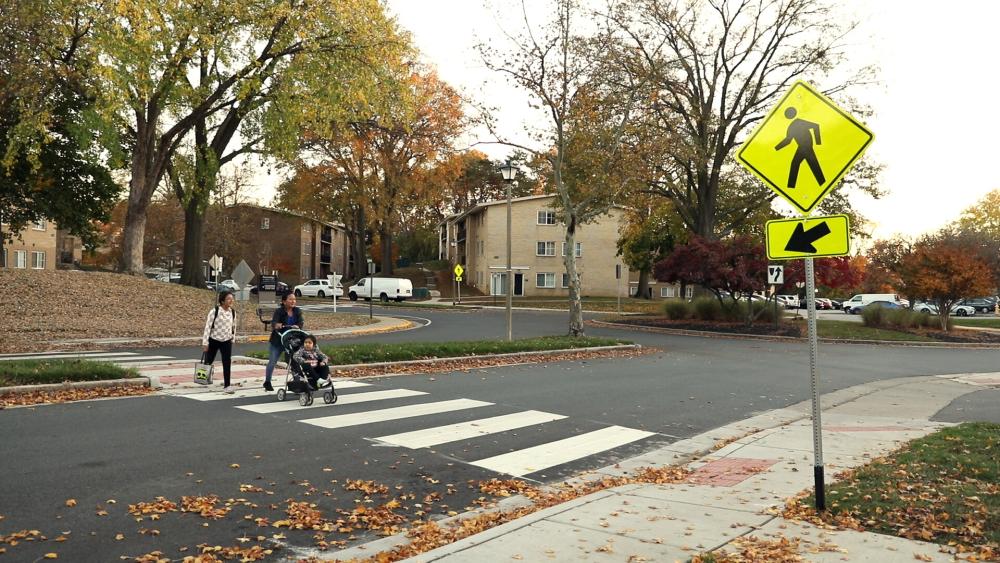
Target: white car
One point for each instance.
(317, 288)
(957, 310)
(228, 285)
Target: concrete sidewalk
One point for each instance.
(735, 491)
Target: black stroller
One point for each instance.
(296, 380)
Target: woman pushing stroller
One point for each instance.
(314, 363)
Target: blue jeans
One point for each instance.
(273, 355)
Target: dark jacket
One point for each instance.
(281, 316)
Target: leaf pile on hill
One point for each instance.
(71, 304)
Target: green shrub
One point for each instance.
(707, 309)
(874, 317)
(678, 309)
(901, 319)
(437, 265)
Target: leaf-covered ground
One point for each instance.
(42, 307)
(943, 488)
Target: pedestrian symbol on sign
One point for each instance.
(776, 275)
(802, 132)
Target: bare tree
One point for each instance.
(573, 77)
(716, 67)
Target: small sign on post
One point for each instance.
(334, 280)
(459, 270)
(776, 275)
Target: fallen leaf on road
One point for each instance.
(71, 502)
(52, 556)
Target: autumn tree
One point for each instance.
(943, 270)
(578, 82)
(651, 230)
(386, 163)
(473, 179)
(884, 264)
(837, 273)
(715, 68)
(979, 225)
(50, 166)
(733, 267)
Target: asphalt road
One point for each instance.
(134, 450)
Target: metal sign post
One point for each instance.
(371, 287)
(334, 280)
(816, 411)
(618, 292)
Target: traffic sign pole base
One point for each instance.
(820, 487)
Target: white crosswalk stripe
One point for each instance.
(529, 460)
(466, 430)
(257, 392)
(383, 415)
(284, 406)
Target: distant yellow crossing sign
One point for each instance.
(805, 127)
(788, 239)
(459, 270)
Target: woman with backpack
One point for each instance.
(219, 335)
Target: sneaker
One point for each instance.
(322, 382)
(267, 386)
(229, 390)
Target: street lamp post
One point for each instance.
(509, 171)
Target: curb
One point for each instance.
(140, 381)
(282, 365)
(776, 338)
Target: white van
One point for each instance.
(859, 301)
(381, 288)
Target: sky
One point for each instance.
(936, 120)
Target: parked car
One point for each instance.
(980, 304)
(838, 305)
(856, 303)
(282, 288)
(228, 285)
(958, 310)
(381, 288)
(824, 303)
(883, 304)
(790, 301)
(319, 287)
(172, 278)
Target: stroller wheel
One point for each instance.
(330, 397)
(305, 399)
(281, 394)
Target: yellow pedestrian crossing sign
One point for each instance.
(804, 128)
(459, 270)
(809, 237)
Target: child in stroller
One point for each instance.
(306, 367)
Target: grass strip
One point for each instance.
(373, 352)
(942, 488)
(38, 372)
(849, 330)
(987, 323)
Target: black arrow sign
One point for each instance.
(802, 240)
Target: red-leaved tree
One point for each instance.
(737, 266)
(945, 271)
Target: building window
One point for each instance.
(265, 223)
(39, 225)
(545, 279)
(21, 259)
(38, 260)
(545, 248)
(565, 280)
(306, 272)
(546, 217)
(3, 258)
(579, 249)
(667, 291)
(307, 247)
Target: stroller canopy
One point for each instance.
(292, 339)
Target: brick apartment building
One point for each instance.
(297, 247)
(36, 248)
(477, 239)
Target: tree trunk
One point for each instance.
(575, 306)
(194, 226)
(385, 235)
(134, 232)
(642, 288)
